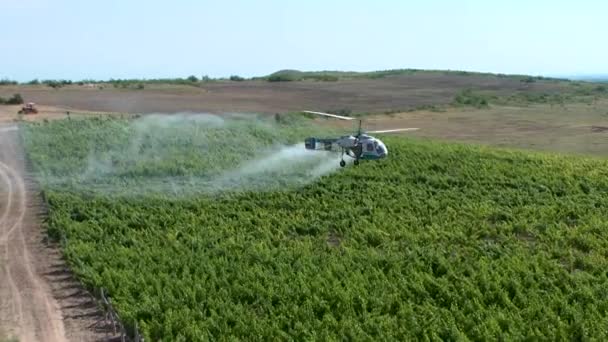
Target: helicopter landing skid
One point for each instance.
(343, 162)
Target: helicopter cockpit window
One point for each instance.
(380, 149)
(370, 147)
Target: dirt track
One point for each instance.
(39, 301)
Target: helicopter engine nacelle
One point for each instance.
(347, 141)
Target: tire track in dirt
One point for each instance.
(30, 311)
(15, 305)
(38, 316)
(40, 300)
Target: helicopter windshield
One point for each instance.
(381, 148)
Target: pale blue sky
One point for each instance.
(78, 39)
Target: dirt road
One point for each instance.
(27, 305)
(39, 300)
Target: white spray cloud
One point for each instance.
(292, 164)
(152, 142)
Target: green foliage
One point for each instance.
(56, 84)
(128, 84)
(133, 83)
(6, 81)
(283, 77)
(322, 77)
(438, 241)
(296, 75)
(236, 78)
(180, 154)
(468, 98)
(34, 82)
(16, 99)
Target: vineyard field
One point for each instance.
(203, 228)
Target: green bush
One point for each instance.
(55, 84)
(236, 78)
(324, 78)
(6, 81)
(192, 79)
(282, 78)
(15, 100)
(468, 98)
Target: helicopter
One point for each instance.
(359, 146)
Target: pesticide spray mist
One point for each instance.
(193, 154)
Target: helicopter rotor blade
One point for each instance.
(394, 130)
(330, 115)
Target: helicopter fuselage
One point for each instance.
(363, 147)
(359, 147)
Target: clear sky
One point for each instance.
(77, 39)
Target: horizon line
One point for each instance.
(570, 76)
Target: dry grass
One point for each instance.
(360, 95)
(569, 129)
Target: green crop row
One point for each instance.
(437, 241)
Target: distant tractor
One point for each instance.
(29, 108)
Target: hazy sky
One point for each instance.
(79, 39)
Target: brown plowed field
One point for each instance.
(362, 95)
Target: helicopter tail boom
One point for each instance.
(319, 143)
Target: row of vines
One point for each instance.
(438, 241)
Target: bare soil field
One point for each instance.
(573, 129)
(361, 95)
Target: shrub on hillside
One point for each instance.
(468, 98)
(282, 78)
(528, 79)
(325, 78)
(236, 78)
